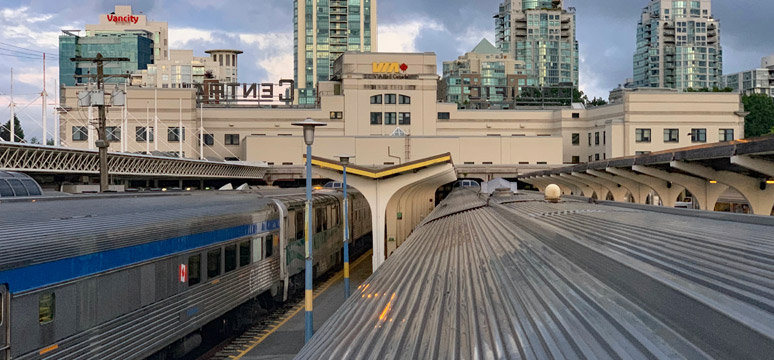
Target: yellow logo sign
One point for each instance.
(386, 68)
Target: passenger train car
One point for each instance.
(123, 277)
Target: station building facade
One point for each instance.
(383, 108)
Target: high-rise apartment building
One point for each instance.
(136, 45)
(678, 46)
(323, 30)
(756, 81)
(483, 78)
(542, 34)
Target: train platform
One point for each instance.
(284, 338)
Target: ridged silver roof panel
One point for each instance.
(533, 280)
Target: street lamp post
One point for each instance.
(344, 159)
(309, 125)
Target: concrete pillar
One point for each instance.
(618, 191)
(756, 191)
(536, 183)
(600, 190)
(201, 184)
(380, 192)
(706, 194)
(637, 190)
(762, 166)
(668, 193)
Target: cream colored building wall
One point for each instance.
(160, 29)
(379, 151)
(138, 101)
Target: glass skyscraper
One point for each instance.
(323, 30)
(678, 46)
(135, 45)
(542, 34)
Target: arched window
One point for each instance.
(405, 100)
(376, 99)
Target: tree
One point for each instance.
(597, 102)
(760, 121)
(17, 130)
(34, 141)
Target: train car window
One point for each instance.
(2, 303)
(231, 258)
(194, 270)
(299, 225)
(269, 245)
(18, 188)
(244, 253)
(318, 220)
(326, 217)
(46, 308)
(5, 189)
(257, 249)
(213, 263)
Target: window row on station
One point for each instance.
(390, 99)
(142, 134)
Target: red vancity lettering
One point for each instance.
(123, 19)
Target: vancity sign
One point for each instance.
(123, 19)
(388, 68)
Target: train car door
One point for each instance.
(5, 329)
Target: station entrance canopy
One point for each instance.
(400, 196)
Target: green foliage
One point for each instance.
(597, 102)
(4, 134)
(714, 89)
(760, 121)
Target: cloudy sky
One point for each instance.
(263, 29)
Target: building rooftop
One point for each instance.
(485, 47)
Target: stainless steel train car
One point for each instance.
(516, 277)
(123, 277)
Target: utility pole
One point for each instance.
(13, 115)
(102, 142)
(44, 96)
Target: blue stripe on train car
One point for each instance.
(54, 272)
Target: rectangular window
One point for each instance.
(576, 115)
(390, 118)
(443, 116)
(257, 249)
(113, 133)
(671, 135)
(269, 246)
(173, 134)
(405, 99)
(46, 308)
(80, 133)
(726, 134)
(404, 118)
(141, 132)
(232, 139)
(589, 139)
(642, 135)
(376, 118)
(604, 138)
(209, 139)
(596, 138)
(244, 253)
(390, 99)
(213, 263)
(337, 115)
(231, 258)
(576, 159)
(699, 135)
(194, 270)
(376, 99)
(576, 139)
(596, 157)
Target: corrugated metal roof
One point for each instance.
(530, 279)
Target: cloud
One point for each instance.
(402, 37)
(276, 51)
(180, 37)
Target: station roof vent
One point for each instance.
(14, 184)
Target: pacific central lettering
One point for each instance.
(252, 92)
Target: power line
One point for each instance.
(28, 49)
